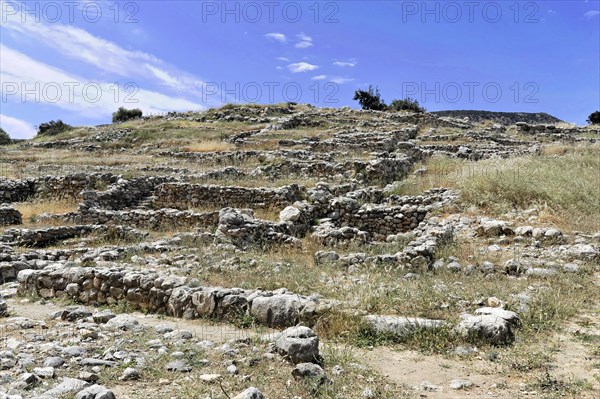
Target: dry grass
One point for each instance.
(209, 146)
(30, 210)
(564, 181)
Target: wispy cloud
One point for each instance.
(16, 128)
(302, 67)
(105, 55)
(283, 59)
(279, 37)
(334, 79)
(340, 81)
(591, 14)
(67, 91)
(345, 63)
(304, 41)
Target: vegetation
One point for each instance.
(408, 104)
(594, 118)
(371, 99)
(560, 187)
(4, 137)
(53, 128)
(123, 114)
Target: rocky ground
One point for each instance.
(288, 252)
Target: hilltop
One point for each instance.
(288, 251)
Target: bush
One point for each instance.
(123, 114)
(53, 128)
(370, 99)
(594, 118)
(4, 137)
(408, 104)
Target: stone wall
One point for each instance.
(185, 196)
(50, 235)
(149, 219)
(151, 291)
(9, 216)
(55, 187)
(125, 193)
(526, 128)
(384, 170)
(70, 186)
(16, 190)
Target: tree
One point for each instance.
(53, 128)
(370, 99)
(122, 114)
(4, 137)
(408, 104)
(594, 118)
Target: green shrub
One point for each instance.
(594, 118)
(408, 104)
(123, 114)
(53, 128)
(4, 137)
(370, 99)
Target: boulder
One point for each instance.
(289, 214)
(250, 393)
(493, 228)
(299, 345)
(277, 310)
(95, 392)
(309, 370)
(492, 325)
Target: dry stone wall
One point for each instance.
(185, 196)
(9, 216)
(151, 291)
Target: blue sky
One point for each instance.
(80, 60)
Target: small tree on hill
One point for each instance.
(594, 118)
(370, 99)
(408, 104)
(4, 137)
(123, 114)
(53, 128)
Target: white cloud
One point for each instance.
(334, 79)
(345, 63)
(591, 14)
(304, 44)
(304, 41)
(53, 86)
(280, 37)
(283, 59)
(304, 37)
(16, 128)
(105, 55)
(302, 67)
(340, 81)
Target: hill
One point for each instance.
(504, 118)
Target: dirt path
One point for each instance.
(571, 349)
(202, 329)
(412, 368)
